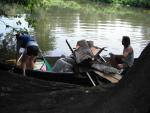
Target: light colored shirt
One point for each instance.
(129, 59)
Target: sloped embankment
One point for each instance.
(131, 95)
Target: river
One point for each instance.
(106, 30)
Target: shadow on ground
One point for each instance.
(26, 95)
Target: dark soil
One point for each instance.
(26, 95)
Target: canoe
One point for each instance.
(90, 78)
(68, 77)
(103, 77)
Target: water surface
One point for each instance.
(55, 26)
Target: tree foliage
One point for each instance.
(135, 3)
(24, 2)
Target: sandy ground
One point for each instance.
(25, 95)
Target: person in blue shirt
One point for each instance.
(30, 51)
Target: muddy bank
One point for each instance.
(26, 95)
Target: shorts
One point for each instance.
(32, 50)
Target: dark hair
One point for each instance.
(126, 41)
(17, 36)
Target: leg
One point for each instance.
(115, 61)
(32, 52)
(23, 64)
(120, 66)
(112, 61)
(31, 60)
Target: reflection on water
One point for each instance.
(53, 27)
(105, 31)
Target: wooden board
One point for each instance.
(95, 50)
(113, 78)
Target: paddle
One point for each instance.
(45, 61)
(16, 64)
(76, 63)
(19, 59)
(70, 48)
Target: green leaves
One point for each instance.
(135, 3)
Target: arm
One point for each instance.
(17, 50)
(116, 56)
(127, 52)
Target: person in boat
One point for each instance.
(30, 50)
(81, 56)
(125, 60)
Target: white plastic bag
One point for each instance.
(21, 50)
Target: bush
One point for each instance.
(135, 3)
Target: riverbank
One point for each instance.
(96, 20)
(133, 3)
(131, 95)
(88, 6)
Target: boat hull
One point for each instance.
(67, 77)
(71, 78)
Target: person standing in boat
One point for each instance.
(125, 60)
(27, 50)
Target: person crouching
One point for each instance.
(30, 52)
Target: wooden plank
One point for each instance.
(95, 50)
(113, 78)
(117, 76)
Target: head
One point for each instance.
(125, 41)
(17, 36)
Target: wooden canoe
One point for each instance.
(67, 77)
